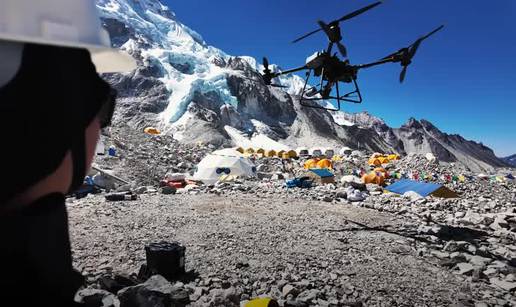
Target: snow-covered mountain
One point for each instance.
(198, 93)
(510, 160)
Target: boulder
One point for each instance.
(155, 292)
(96, 298)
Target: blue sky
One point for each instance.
(462, 79)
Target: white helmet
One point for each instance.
(67, 23)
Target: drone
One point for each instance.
(332, 71)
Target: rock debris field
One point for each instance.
(303, 247)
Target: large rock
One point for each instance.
(96, 298)
(155, 292)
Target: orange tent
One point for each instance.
(152, 131)
(311, 163)
(375, 162)
(382, 171)
(325, 163)
(374, 178)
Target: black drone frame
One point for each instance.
(304, 100)
(333, 71)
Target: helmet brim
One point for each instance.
(106, 60)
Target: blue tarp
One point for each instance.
(509, 176)
(422, 188)
(322, 172)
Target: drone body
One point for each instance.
(331, 70)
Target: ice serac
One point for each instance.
(199, 93)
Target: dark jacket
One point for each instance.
(35, 256)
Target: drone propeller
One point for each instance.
(267, 73)
(326, 29)
(405, 55)
(346, 17)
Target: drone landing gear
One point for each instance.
(312, 97)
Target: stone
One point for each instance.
(196, 295)
(459, 214)
(96, 298)
(308, 295)
(479, 261)
(156, 291)
(167, 190)
(506, 285)
(231, 295)
(288, 289)
(440, 255)
(116, 283)
(464, 268)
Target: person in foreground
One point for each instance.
(53, 104)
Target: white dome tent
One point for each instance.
(213, 166)
(345, 151)
(302, 151)
(316, 151)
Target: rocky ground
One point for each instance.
(303, 247)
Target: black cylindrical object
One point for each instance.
(166, 259)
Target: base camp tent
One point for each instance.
(212, 167)
(316, 152)
(374, 178)
(329, 153)
(302, 151)
(310, 163)
(321, 176)
(344, 151)
(422, 188)
(270, 153)
(292, 153)
(152, 131)
(324, 163)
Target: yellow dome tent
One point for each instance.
(270, 153)
(376, 155)
(393, 157)
(310, 163)
(249, 150)
(260, 151)
(292, 153)
(285, 156)
(325, 163)
(337, 158)
(280, 153)
(383, 160)
(240, 150)
(152, 131)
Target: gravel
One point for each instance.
(343, 244)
